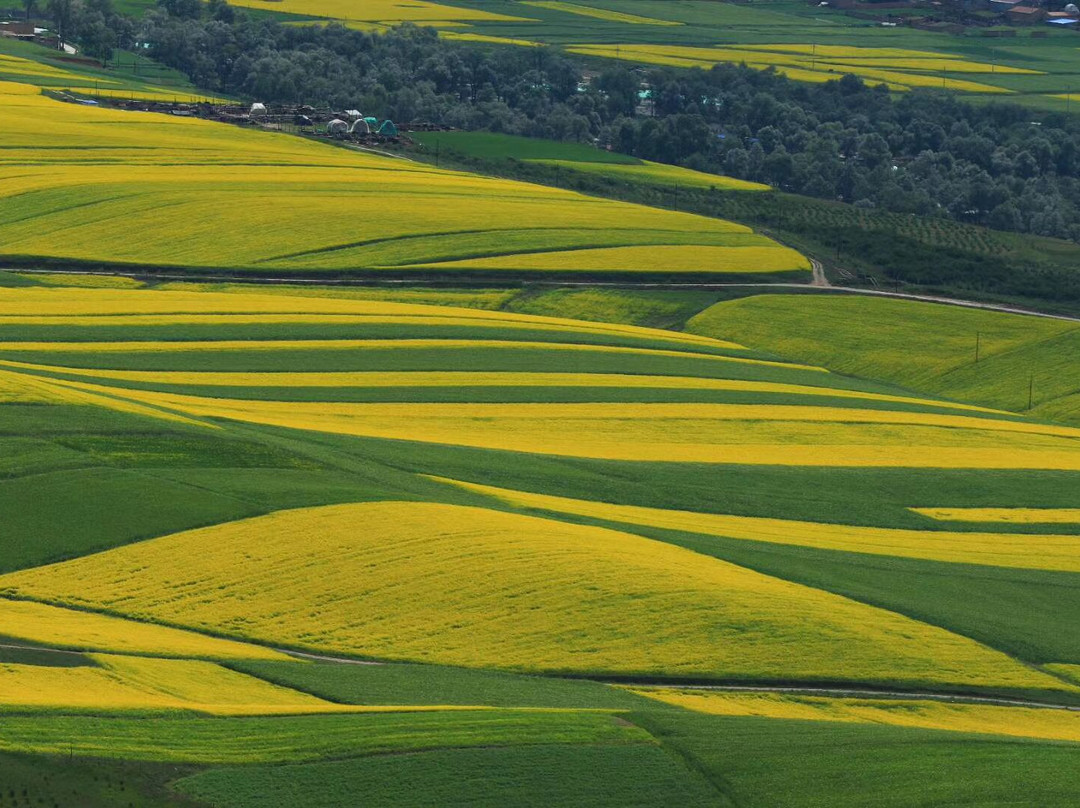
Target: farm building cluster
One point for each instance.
(349, 124)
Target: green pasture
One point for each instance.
(408, 684)
(302, 738)
(638, 776)
(41, 780)
(809, 764)
(995, 359)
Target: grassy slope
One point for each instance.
(541, 777)
(808, 764)
(922, 346)
(52, 781)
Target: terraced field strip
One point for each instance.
(493, 589)
(41, 74)
(704, 433)
(1016, 722)
(1015, 516)
(75, 629)
(898, 69)
(293, 739)
(1033, 551)
(597, 13)
(124, 683)
(382, 13)
(662, 258)
(75, 193)
(457, 379)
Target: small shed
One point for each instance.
(337, 127)
(1025, 15)
(353, 114)
(388, 128)
(258, 109)
(360, 127)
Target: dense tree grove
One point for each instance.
(930, 153)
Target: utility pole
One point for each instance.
(437, 142)
(675, 199)
(978, 337)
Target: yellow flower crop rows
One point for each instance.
(598, 13)
(468, 36)
(42, 624)
(899, 69)
(1019, 722)
(141, 683)
(96, 306)
(704, 433)
(666, 258)
(381, 11)
(378, 379)
(1016, 516)
(1035, 551)
(476, 587)
(223, 184)
(18, 389)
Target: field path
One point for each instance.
(861, 693)
(824, 286)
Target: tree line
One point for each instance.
(925, 152)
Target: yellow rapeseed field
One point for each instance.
(1019, 516)
(145, 683)
(475, 587)
(898, 69)
(598, 13)
(381, 11)
(450, 378)
(147, 172)
(662, 258)
(152, 307)
(706, 433)
(43, 624)
(16, 388)
(1019, 722)
(1034, 551)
